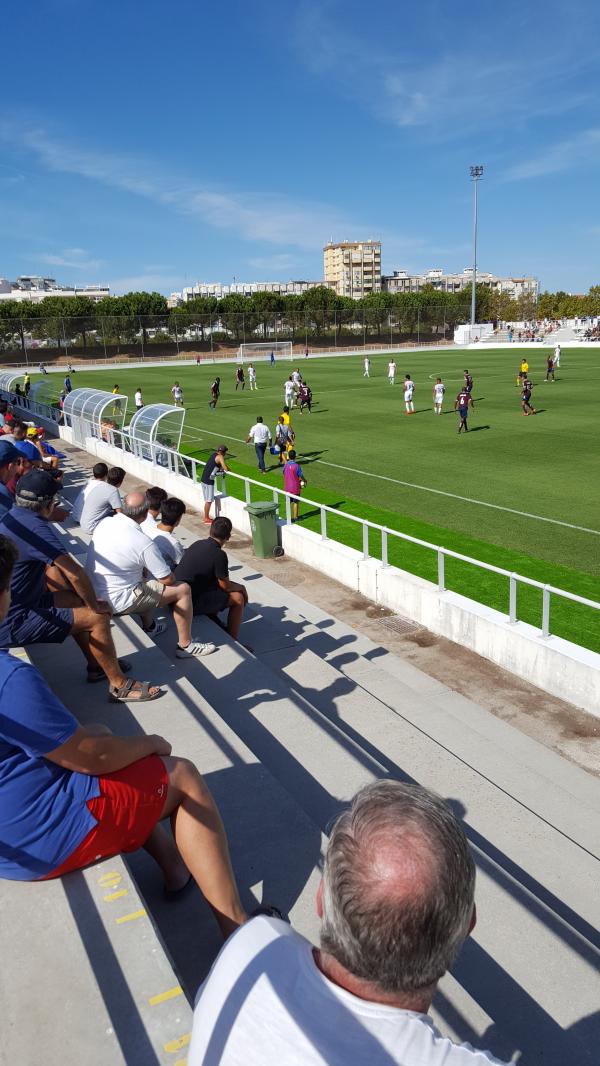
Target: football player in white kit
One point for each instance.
(391, 371)
(289, 392)
(252, 377)
(556, 355)
(367, 366)
(409, 391)
(438, 396)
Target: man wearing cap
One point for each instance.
(213, 466)
(52, 596)
(9, 457)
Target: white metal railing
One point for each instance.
(189, 467)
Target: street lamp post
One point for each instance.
(476, 174)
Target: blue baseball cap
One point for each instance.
(8, 453)
(36, 485)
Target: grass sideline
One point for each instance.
(546, 465)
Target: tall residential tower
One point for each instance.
(353, 268)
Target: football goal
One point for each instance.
(280, 350)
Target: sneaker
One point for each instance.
(156, 629)
(194, 648)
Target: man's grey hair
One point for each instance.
(37, 506)
(398, 887)
(134, 511)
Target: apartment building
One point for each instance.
(244, 288)
(31, 288)
(401, 281)
(353, 268)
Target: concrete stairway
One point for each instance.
(285, 735)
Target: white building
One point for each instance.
(245, 288)
(31, 288)
(401, 281)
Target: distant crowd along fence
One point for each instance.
(35, 339)
(143, 444)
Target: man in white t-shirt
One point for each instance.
(367, 367)
(438, 396)
(289, 391)
(163, 534)
(252, 377)
(138, 398)
(556, 355)
(396, 903)
(99, 498)
(119, 557)
(391, 371)
(177, 394)
(155, 497)
(260, 435)
(409, 391)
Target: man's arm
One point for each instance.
(219, 460)
(228, 585)
(86, 753)
(80, 583)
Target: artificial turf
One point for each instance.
(362, 454)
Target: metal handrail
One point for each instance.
(177, 462)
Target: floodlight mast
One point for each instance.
(476, 174)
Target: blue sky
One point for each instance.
(151, 145)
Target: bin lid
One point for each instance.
(261, 507)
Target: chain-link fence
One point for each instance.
(54, 339)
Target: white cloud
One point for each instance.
(466, 81)
(560, 157)
(267, 216)
(74, 258)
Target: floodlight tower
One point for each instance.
(476, 175)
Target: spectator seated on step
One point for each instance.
(205, 568)
(162, 532)
(9, 457)
(155, 497)
(99, 498)
(51, 595)
(396, 903)
(72, 795)
(120, 558)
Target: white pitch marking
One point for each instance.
(437, 492)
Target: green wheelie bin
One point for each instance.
(263, 524)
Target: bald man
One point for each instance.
(127, 569)
(396, 903)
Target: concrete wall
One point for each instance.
(554, 665)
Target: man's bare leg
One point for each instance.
(161, 846)
(236, 613)
(201, 841)
(179, 597)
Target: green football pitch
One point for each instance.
(520, 493)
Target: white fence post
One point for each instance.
(384, 547)
(323, 524)
(247, 490)
(288, 510)
(546, 611)
(512, 599)
(441, 568)
(365, 529)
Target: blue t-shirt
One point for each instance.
(38, 544)
(43, 810)
(7, 500)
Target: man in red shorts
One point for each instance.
(70, 796)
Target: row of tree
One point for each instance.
(318, 312)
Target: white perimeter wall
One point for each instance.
(554, 665)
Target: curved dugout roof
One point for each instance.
(95, 406)
(158, 423)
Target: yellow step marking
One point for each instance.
(131, 917)
(181, 1041)
(108, 878)
(169, 994)
(116, 895)
(181, 1062)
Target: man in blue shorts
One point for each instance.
(52, 596)
(461, 404)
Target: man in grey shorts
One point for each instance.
(120, 559)
(214, 465)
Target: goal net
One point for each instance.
(280, 350)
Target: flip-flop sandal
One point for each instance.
(123, 693)
(98, 675)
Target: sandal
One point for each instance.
(155, 629)
(270, 911)
(98, 675)
(124, 692)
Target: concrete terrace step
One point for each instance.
(275, 846)
(84, 977)
(534, 881)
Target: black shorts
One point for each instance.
(211, 602)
